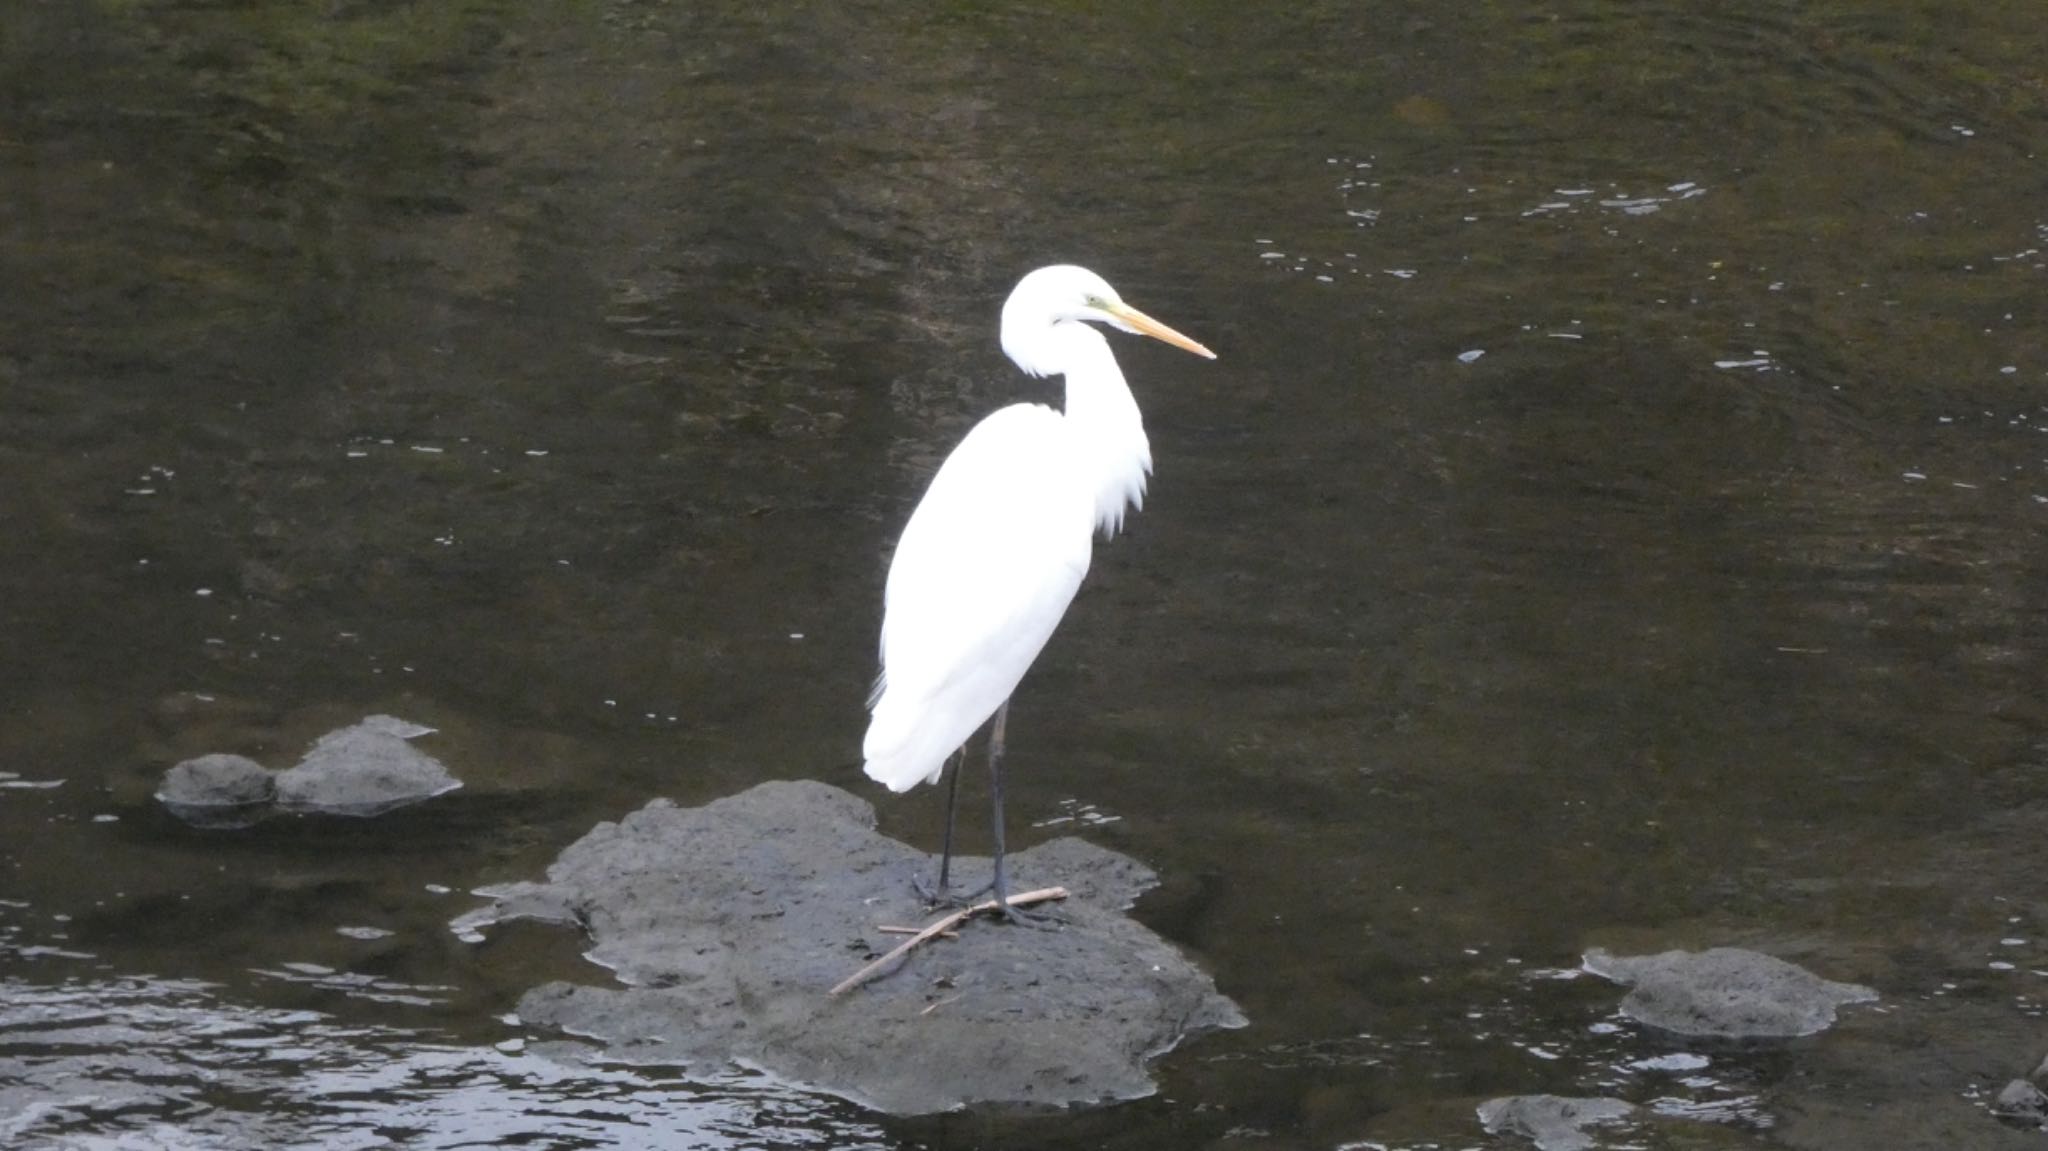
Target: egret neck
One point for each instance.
(1102, 420)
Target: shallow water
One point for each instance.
(558, 376)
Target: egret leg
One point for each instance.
(942, 891)
(952, 805)
(1000, 885)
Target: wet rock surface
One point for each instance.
(1552, 1122)
(1725, 993)
(218, 791)
(2021, 1103)
(365, 769)
(729, 924)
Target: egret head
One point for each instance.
(1064, 293)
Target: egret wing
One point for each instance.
(985, 569)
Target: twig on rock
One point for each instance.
(941, 927)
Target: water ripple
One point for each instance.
(159, 1063)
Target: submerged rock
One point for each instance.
(218, 791)
(365, 769)
(728, 925)
(1552, 1122)
(1725, 992)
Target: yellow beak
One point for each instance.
(1141, 322)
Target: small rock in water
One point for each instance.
(1725, 992)
(218, 791)
(2023, 1103)
(394, 726)
(1676, 1061)
(363, 770)
(1552, 1122)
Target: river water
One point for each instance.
(1617, 517)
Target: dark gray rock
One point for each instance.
(2023, 1103)
(728, 925)
(1552, 1122)
(364, 769)
(218, 791)
(393, 726)
(1725, 992)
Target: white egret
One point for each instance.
(998, 545)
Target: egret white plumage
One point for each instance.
(997, 547)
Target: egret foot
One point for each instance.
(937, 894)
(1038, 920)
